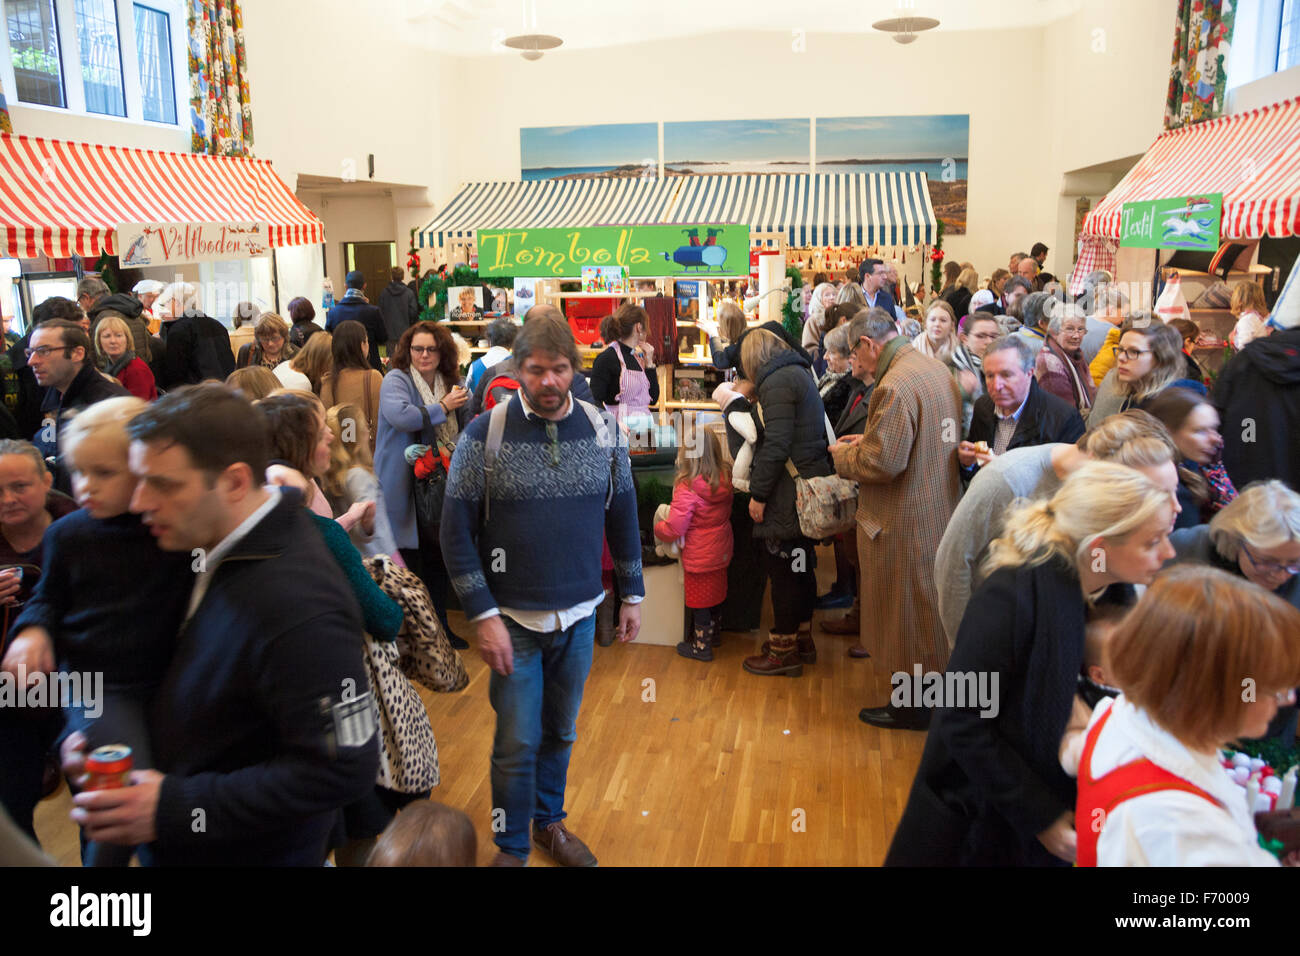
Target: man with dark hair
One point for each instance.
(875, 279)
(398, 307)
(355, 305)
(1039, 254)
(263, 725)
(580, 387)
(59, 356)
(529, 575)
(1014, 289)
(23, 395)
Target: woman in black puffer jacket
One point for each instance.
(792, 431)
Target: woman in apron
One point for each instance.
(619, 379)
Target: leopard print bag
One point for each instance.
(427, 657)
(408, 755)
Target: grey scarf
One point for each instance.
(113, 368)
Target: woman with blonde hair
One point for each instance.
(990, 789)
(1148, 359)
(307, 369)
(117, 358)
(351, 378)
(824, 296)
(958, 297)
(350, 479)
(255, 382)
(1248, 305)
(939, 338)
(1150, 782)
(270, 346)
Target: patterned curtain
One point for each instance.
(220, 115)
(5, 125)
(1202, 35)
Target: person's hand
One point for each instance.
(361, 513)
(966, 454)
(11, 582)
(745, 387)
(31, 652)
(495, 646)
(629, 622)
(708, 327)
(284, 476)
(649, 351)
(1060, 838)
(968, 382)
(72, 756)
(454, 399)
(756, 509)
(125, 816)
(846, 440)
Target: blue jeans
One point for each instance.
(537, 723)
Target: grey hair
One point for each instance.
(912, 328)
(851, 294)
(875, 324)
(837, 340)
(1013, 343)
(16, 446)
(1266, 514)
(1034, 308)
(186, 292)
(501, 332)
(1057, 312)
(91, 286)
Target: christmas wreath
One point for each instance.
(435, 288)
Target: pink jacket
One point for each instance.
(703, 518)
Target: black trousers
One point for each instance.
(792, 567)
(426, 561)
(26, 736)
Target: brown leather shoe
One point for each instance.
(564, 848)
(782, 657)
(848, 624)
(807, 648)
(507, 859)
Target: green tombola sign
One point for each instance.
(642, 250)
(1184, 222)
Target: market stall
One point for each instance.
(214, 220)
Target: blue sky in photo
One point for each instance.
(732, 140)
(617, 144)
(891, 137)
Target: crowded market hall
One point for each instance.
(453, 481)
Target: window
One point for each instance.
(34, 45)
(154, 49)
(1288, 41)
(101, 60)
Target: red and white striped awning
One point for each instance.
(1253, 158)
(59, 198)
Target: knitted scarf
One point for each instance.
(114, 367)
(448, 430)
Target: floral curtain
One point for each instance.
(220, 115)
(5, 125)
(1202, 35)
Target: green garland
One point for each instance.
(437, 284)
(792, 319)
(106, 271)
(936, 258)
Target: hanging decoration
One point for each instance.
(221, 118)
(936, 258)
(1202, 36)
(792, 317)
(413, 256)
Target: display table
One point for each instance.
(662, 610)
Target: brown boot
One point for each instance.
(807, 649)
(782, 657)
(606, 628)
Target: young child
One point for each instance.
(351, 478)
(427, 834)
(701, 515)
(1093, 682)
(109, 600)
(1248, 305)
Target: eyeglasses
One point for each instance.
(1269, 567)
(1129, 355)
(424, 349)
(268, 336)
(46, 350)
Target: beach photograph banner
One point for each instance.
(720, 147)
(935, 145)
(588, 152)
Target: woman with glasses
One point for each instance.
(1257, 537)
(422, 398)
(270, 345)
(1060, 368)
(1148, 359)
(1204, 487)
(1151, 789)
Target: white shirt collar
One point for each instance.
(530, 412)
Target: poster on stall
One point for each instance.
(604, 279)
(1181, 222)
(525, 295)
(685, 250)
(688, 299)
(141, 244)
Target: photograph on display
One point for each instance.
(500, 300)
(934, 145)
(720, 147)
(525, 295)
(463, 304)
(618, 150)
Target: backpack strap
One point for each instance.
(496, 429)
(600, 424)
(789, 465)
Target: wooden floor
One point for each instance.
(720, 768)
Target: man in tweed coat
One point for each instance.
(905, 463)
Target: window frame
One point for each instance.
(74, 93)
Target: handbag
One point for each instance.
(826, 505)
(408, 752)
(431, 490)
(425, 654)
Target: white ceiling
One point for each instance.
(470, 27)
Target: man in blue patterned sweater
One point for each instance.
(534, 489)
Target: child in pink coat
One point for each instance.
(701, 516)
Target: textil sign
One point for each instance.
(642, 250)
(1185, 222)
(172, 243)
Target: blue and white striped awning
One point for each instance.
(542, 203)
(823, 209)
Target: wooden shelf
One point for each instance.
(692, 361)
(694, 406)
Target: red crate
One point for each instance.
(585, 316)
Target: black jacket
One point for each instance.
(959, 298)
(300, 332)
(198, 348)
(988, 785)
(1045, 419)
(607, 373)
(852, 419)
(247, 722)
(368, 315)
(398, 308)
(793, 428)
(90, 386)
(27, 394)
(1258, 397)
(729, 357)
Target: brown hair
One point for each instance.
(315, 359)
(1247, 297)
(701, 456)
(427, 833)
(301, 310)
(1186, 328)
(757, 350)
(215, 425)
(345, 350)
(293, 424)
(396, 273)
(731, 321)
(1171, 407)
(253, 382)
(1167, 351)
(998, 276)
(628, 317)
(1195, 638)
(448, 353)
(546, 333)
(71, 335)
(609, 329)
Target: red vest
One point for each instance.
(1106, 793)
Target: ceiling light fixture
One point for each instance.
(531, 45)
(905, 29)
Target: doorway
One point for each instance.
(373, 260)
